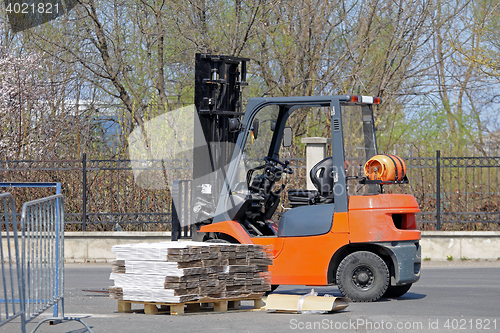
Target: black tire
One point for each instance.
(397, 291)
(362, 277)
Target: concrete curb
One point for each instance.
(96, 246)
(441, 245)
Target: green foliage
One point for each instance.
(421, 131)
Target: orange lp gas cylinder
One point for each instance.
(385, 168)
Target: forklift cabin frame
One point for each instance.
(287, 106)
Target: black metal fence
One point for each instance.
(454, 193)
(100, 195)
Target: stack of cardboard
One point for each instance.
(176, 272)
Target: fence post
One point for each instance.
(84, 196)
(185, 208)
(438, 190)
(175, 216)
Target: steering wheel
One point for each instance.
(286, 168)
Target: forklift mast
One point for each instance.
(219, 81)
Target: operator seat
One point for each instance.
(322, 178)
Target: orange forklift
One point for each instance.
(347, 231)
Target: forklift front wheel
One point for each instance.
(363, 276)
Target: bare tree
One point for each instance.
(30, 123)
(416, 55)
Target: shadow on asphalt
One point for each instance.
(80, 330)
(304, 290)
(406, 297)
(336, 293)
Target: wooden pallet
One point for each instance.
(201, 305)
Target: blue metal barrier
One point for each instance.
(39, 259)
(57, 186)
(12, 282)
(43, 255)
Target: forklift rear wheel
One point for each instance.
(362, 276)
(397, 291)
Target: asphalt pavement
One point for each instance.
(449, 297)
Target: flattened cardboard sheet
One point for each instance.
(290, 303)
